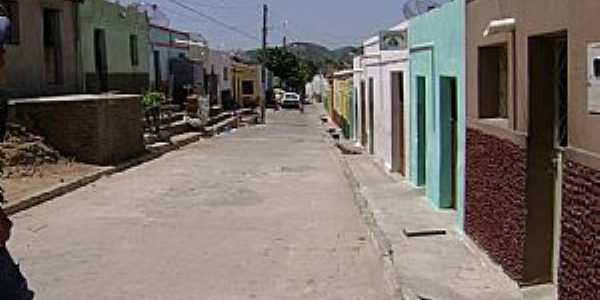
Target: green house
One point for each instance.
(437, 70)
(114, 47)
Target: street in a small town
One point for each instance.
(285, 149)
(259, 213)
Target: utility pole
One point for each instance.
(285, 34)
(265, 32)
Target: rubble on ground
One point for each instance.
(23, 153)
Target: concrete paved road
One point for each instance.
(261, 213)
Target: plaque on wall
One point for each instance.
(391, 40)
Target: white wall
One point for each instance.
(379, 66)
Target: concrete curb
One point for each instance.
(65, 188)
(381, 242)
(378, 238)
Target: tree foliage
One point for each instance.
(294, 71)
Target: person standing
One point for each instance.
(4, 38)
(13, 285)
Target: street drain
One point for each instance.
(424, 233)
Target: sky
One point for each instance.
(332, 23)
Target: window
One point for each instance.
(133, 50)
(493, 82)
(248, 87)
(12, 10)
(597, 67)
(225, 73)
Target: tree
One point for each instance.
(294, 71)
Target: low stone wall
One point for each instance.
(495, 204)
(96, 129)
(579, 273)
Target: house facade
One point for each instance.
(533, 153)
(166, 47)
(218, 76)
(436, 43)
(41, 56)
(382, 91)
(114, 47)
(247, 84)
(342, 102)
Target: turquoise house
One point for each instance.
(438, 115)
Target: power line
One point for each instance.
(214, 20)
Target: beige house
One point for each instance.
(41, 57)
(533, 149)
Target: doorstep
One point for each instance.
(428, 257)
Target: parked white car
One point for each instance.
(291, 100)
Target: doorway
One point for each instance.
(363, 114)
(398, 147)
(355, 115)
(157, 70)
(421, 90)
(371, 117)
(449, 115)
(548, 84)
(100, 57)
(52, 47)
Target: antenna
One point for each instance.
(413, 8)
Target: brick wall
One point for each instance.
(99, 131)
(495, 204)
(579, 274)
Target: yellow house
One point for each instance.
(342, 102)
(247, 84)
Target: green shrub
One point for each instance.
(152, 100)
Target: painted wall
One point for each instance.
(25, 61)
(357, 77)
(576, 212)
(163, 40)
(580, 223)
(379, 65)
(436, 42)
(118, 23)
(241, 73)
(217, 61)
(343, 100)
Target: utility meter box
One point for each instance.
(594, 78)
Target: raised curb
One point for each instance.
(64, 188)
(383, 246)
(381, 242)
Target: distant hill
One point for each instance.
(328, 60)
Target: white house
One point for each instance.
(382, 94)
(218, 73)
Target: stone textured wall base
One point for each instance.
(495, 205)
(579, 273)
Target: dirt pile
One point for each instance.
(23, 153)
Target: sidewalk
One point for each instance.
(436, 266)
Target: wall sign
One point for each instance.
(392, 40)
(594, 78)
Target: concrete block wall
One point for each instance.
(97, 129)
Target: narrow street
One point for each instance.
(259, 213)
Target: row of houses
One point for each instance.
(492, 107)
(94, 46)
